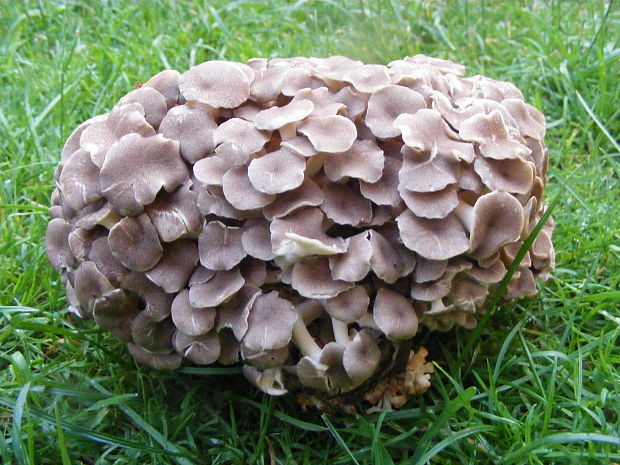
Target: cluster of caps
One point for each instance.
(302, 216)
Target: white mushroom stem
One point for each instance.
(288, 131)
(368, 321)
(438, 308)
(465, 213)
(304, 341)
(341, 331)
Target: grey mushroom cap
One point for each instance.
(218, 84)
(134, 242)
(329, 134)
(193, 127)
(175, 266)
(220, 246)
(270, 323)
(201, 350)
(350, 305)
(222, 286)
(277, 172)
(435, 239)
(387, 104)
(191, 320)
(136, 168)
(394, 315)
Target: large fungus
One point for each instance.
(304, 217)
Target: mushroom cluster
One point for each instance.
(302, 216)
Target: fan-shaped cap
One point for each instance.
(193, 127)
(497, 221)
(101, 255)
(175, 267)
(344, 204)
(202, 350)
(134, 242)
(277, 172)
(437, 239)
(240, 192)
(431, 204)
(428, 270)
(490, 275)
(491, 133)
(350, 305)
(89, 284)
(98, 137)
(167, 84)
(307, 194)
(175, 215)
(387, 262)
(79, 180)
(220, 246)
(394, 315)
(256, 239)
(354, 264)
(222, 286)
(530, 122)
(430, 175)
(211, 170)
(57, 245)
(361, 357)
(73, 141)
(522, 284)
(468, 295)
(511, 175)
(136, 168)
(234, 314)
(425, 130)
(151, 100)
(157, 361)
(193, 321)
(330, 134)
(385, 190)
(217, 83)
(364, 160)
(211, 201)
(324, 102)
(267, 83)
(277, 117)
(386, 104)
(241, 132)
(270, 323)
(312, 278)
(367, 78)
(432, 290)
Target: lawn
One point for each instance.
(537, 383)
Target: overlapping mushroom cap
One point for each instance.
(305, 217)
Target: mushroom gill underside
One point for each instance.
(304, 217)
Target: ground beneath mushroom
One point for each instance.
(389, 394)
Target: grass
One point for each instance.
(539, 383)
